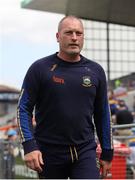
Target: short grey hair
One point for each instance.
(67, 17)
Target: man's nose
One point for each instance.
(74, 36)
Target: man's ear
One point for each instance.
(57, 36)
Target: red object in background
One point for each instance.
(118, 169)
(119, 166)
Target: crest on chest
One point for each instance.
(86, 81)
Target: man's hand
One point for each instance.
(105, 168)
(34, 160)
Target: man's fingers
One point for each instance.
(37, 165)
(34, 160)
(39, 162)
(105, 168)
(34, 165)
(104, 172)
(41, 159)
(30, 164)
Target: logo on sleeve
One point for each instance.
(86, 81)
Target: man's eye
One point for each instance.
(69, 32)
(78, 33)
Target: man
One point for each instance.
(124, 116)
(12, 135)
(67, 91)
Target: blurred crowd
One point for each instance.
(120, 112)
(122, 115)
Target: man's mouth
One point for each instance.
(74, 45)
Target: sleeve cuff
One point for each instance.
(107, 155)
(30, 146)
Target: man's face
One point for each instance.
(70, 37)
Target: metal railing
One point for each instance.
(123, 126)
(12, 165)
(129, 159)
(7, 160)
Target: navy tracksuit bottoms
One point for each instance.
(74, 162)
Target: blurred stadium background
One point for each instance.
(110, 41)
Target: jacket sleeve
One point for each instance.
(102, 119)
(25, 108)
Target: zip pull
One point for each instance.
(53, 67)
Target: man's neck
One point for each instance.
(69, 58)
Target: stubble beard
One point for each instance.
(74, 52)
